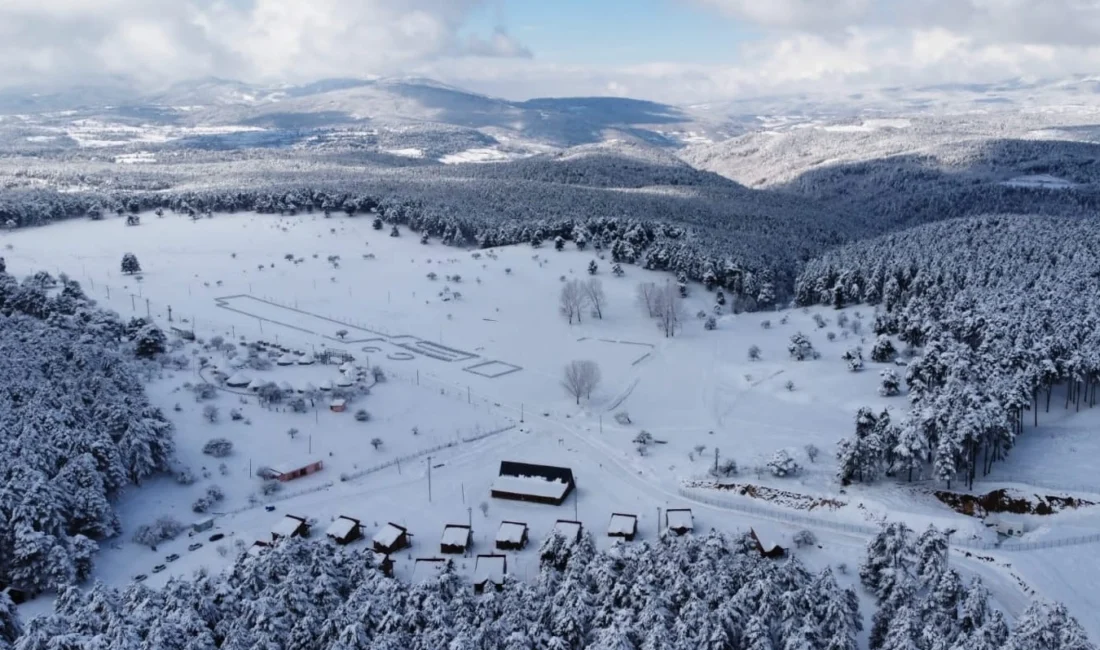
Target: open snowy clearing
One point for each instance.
(460, 366)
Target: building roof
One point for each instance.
(238, 379)
(569, 529)
(256, 549)
(489, 568)
(530, 485)
(341, 526)
(348, 366)
(426, 569)
(285, 386)
(294, 465)
(338, 402)
(679, 519)
(622, 524)
(327, 385)
(286, 526)
(305, 359)
(257, 383)
(455, 535)
(343, 381)
(511, 532)
(287, 359)
(769, 538)
(388, 535)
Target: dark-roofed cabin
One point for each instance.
(391, 538)
(289, 526)
(489, 570)
(535, 483)
(679, 520)
(569, 529)
(456, 539)
(623, 525)
(512, 536)
(345, 530)
(766, 546)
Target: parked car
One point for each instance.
(172, 558)
(158, 568)
(269, 508)
(194, 547)
(216, 536)
(139, 577)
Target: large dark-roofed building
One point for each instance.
(536, 483)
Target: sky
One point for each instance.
(677, 51)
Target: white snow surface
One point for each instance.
(510, 532)
(426, 569)
(698, 389)
(531, 485)
(489, 568)
(1042, 181)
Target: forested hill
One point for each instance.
(1005, 308)
(75, 428)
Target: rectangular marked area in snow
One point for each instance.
(530, 486)
(492, 369)
(296, 319)
(432, 349)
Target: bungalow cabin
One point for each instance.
(622, 525)
(287, 359)
(536, 483)
(766, 545)
(285, 386)
(344, 381)
(187, 335)
(308, 387)
(391, 538)
(456, 539)
(570, 530)
(202, 525)
(289, 526)
(239, 380)
(679, 520)
(489, 570)
(348, 368)
(257, 384)
(257, 549)
(1007, 528)
(289, 471)
(512, 536)
(327, 385)
(305, 360)
(386, 565)
(338, 405)
(344, 530)
(426, 569)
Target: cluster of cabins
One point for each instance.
(518, 481)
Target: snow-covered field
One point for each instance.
(460, 366)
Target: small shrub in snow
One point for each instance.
(842, 568)
(800, 348)
(811, 452)
(223, 469)
(185, 476)
(298, 405)
(804, 538)
(766, 324)
(830, 336)
(699, 449)
(235, 415)
(218, 447)
(433, 276)
(891, 385)
(484, 508)
(222, 550)
(213, 495)
(204, 391)
(163, 529)
(789, 385)
(292, 432)
(854, 357)
(376, 443)
(782, 464)
(271, 487)
(643, 438)
(210, 413)
(725, 469)
(841, 319)
(177, 408)
(754, 353)
(641, 449)
(711, 323)
(883, 350)
(622, 417)
(700, 314)
(819, 320)
(378, 374)
(362, 416)
(783, 321)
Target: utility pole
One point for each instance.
(310, 444)
(601, 422)
(169, 313)
(575, 497)
(470, 518)
(429, 479)
(716, 462)
(147, 315)
(521, 413)
(468, 400)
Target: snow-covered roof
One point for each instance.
(327, 385)
(678, 519)
(768, 538)
(532, 485)
(256, 549)
(344, 381)
(388, 535)
(454, 535)
(286, 526)
(348, 366)
(285, 386)
(489, 568)
(307, 387)
(237, 362)
(338, 402)
(287, 359)
(239, 379)
(622, 524)
(425, 569)
(290, 466)
(511, 532)
(569, 529)
(305, 359)
(341, 526)
(257, 383)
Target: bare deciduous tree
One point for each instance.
(581, 377)
(572, 300)
(594, 296)
(670, 309)
(647, 297)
